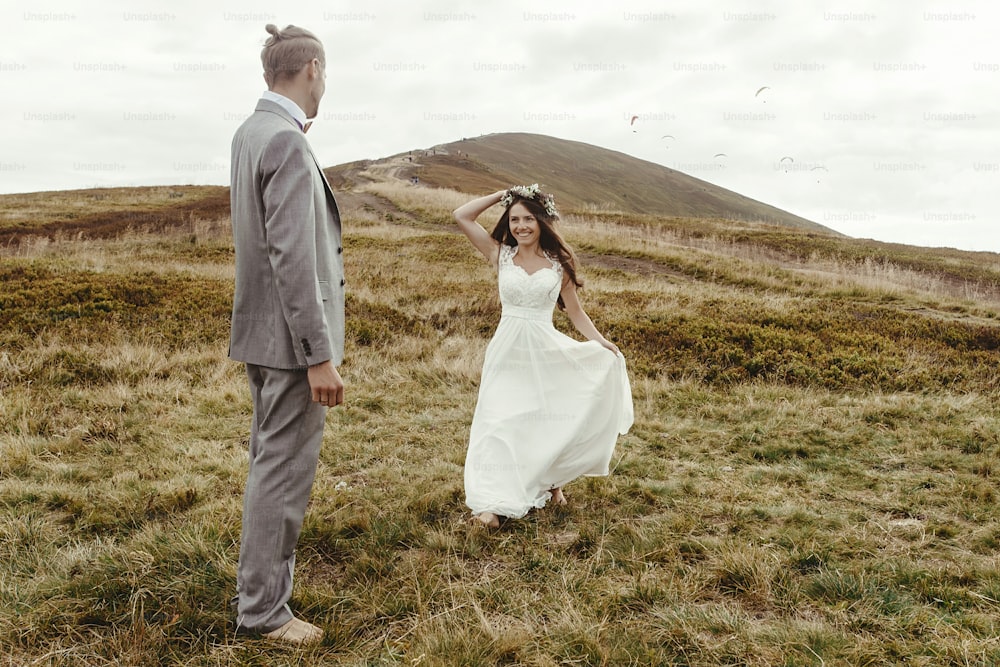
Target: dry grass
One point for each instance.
(797, 518)
(108, 212)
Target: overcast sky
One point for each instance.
(888, 111)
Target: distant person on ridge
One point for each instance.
(550, 407)
(288, 323)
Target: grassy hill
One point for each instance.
(108, 212)
(810, 479)
(582, 175)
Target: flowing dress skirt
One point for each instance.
(550, 410)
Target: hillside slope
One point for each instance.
(811, 477)
(581, 174)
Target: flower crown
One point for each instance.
(530, 192)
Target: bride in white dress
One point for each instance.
(550, 407)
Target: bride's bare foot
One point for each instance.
(488, 519)
(558, 497)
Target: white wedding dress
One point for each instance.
(550, 407)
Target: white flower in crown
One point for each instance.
(530, 192)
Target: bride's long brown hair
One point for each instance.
(549, 239)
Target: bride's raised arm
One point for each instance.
(466, 214)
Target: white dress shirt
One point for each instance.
(290, 106)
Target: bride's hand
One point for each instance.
(610, 346)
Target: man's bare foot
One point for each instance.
(487, 519)
(558, 497)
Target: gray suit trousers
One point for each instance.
(285, 440)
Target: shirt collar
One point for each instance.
(288, 105)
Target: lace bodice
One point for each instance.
(520, 289)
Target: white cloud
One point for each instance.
(897, 101)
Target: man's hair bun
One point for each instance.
(287, 51)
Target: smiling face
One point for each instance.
(523, 225)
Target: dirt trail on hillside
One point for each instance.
(350, 201)
(391, 168)
(348, 183)
(639, 267)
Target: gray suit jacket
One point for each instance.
(288, 307)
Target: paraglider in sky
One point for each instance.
(631, 123)
(820, 167)
(720, 155)
(670, 137)
(782, 161)
(761, 90)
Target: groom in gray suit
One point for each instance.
(287, 325)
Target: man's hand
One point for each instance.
(326, 384)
